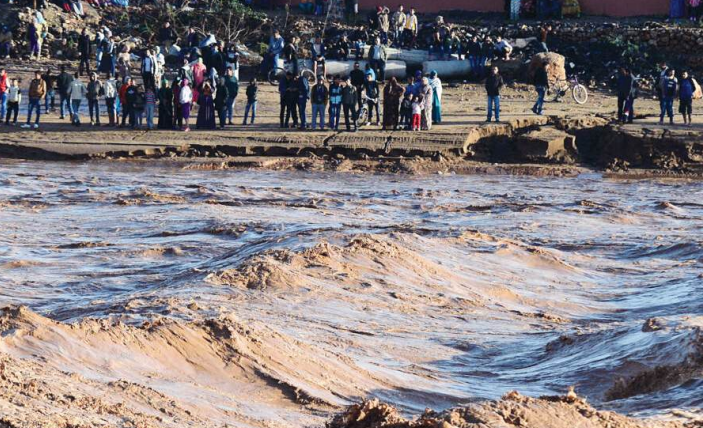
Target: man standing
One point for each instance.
(63, 84)
(37, 91)
(77, 92)
(411, 27)
(349, 102)
(384, 24)
(232, 91)
(335, 103)
(494, 83)
(303, 97)
(319, 96)
(669, 87)
(358, 79)
(149, 70)
(276, 45)
(686, 90)
(541, 84)
(377, 58)
(84, 50)
(398, 26)
(95, 90)
(166, 36)
(626, 83)
(3, 92)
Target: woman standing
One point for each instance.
(186, 99)
(436, 85)
(165, 106)
(391, 104)
(206, 112)
(426, 92)
(199, 71)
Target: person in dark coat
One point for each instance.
(372, 92)
(625, 89)
(206, 112)
(358, 79)
(165, 106)
(84, 50)
(221, 96)
(391, 104)
(541, 85)
(291, 100)
(303, 97)
(494, 83)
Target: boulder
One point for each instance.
(546, 144)
(557, 70)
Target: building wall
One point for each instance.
(589, 7)
(438, 5)
(625, 7)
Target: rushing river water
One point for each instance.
(436, 290)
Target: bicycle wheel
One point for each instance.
(580, 94)
(308, 74)
(275, 75)
(363, 115)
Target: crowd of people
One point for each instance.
(203, 79)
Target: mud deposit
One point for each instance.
(149, 296)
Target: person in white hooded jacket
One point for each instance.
(14, 98)
(186, 99)
(76, 93)
(110, 89)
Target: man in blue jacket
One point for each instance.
(276, 45)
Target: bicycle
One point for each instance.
(364, 111)
(278, 73)
(560, 87)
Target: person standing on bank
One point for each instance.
(436, 84)
(494, 83)
(110, 88)
(76, 92)
(14, 98)
(391, 104)
(94, 91)
(37, 91)
(358, 79)
(378, 56)
(427, 99)
(373, 101)
(63, 83)
(166, 112)
(669, 87)
(221, 97)
(541, 84)
(626, 87)
(252, 101)
(686, 90)
(349, 105)
(232, 91)
(303, 97)
(319, 96)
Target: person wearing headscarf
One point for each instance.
(165, 106)
(436, 85)
(391, 104)
(199, 71)
(427, 94)
(206, 112)
(177, 109)
(185, 95)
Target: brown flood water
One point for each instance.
(257, 298)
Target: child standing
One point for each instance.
(417, 113)
(406, 111)
(14, 98)
(150, 98)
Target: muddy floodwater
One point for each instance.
(262, 298)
